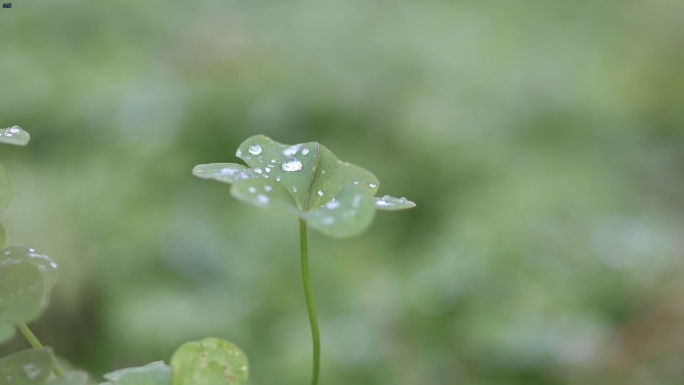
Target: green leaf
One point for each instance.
(26, 278)
(298, 180)
(3, 236)
(224, 172)
(349, 214)
(7, 331)
(14, 135)
(261, 192)
(5, 188)
(73, 378)
(28, 367)
(156, 373)
(208, 362)
(389, 203)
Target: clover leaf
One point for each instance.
(26, 279)
(27, 367)
(156, 373)
(14, 135)
(208, 362)
(305, 180)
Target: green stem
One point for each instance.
(315, 334)
(33, 341)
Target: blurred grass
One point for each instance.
(542, 142)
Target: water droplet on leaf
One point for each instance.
(292, 164)
(255, 149)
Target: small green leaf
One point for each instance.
(26, 278)
(5, 188)
(156, 373)
(14, 135)
(389, 203)
(7, 331)
(224, 172)
(28, 367)
(349, 214)
(210, 361)
(73, 378)
(3, 236)
(261, 192)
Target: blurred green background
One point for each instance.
(542, 141)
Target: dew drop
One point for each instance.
(268, 169)
(277, 179)
(381, 202)
(294, 189)
(305, 151)
(320, 193)
(332, 205)
(291, 150)
(292, 164)
(14, 129)
(373, 185)
(267, 187)
(238, 153)
(356, 182)
(273, 161)
(252, 189)
(255, 149)
(386, 197)
(262, 199)
(258, 170)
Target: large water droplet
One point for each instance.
(373, 185)
(268, 169)
(255, 149)
(292, 164)
(320, 193)
(267, 187)
(305, 151)
(262, 199)
(258, 170)
(381, 202)
(238, 153)
(332, 205)
(291, 150)
(14, 129)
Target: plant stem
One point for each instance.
(315, 334)
(33, 341)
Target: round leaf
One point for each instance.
(210, 361)
(3, 236)
(73, 378)
(264, 193)
(26, 278)
(349, 214)
(7, 331)
(28, 367)
(5, 188)
(389, 203)
(14, 135)
(224, 172)
(156, 373)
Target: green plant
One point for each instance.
(307, 181)
(26, 280)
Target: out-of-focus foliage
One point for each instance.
(542, 141)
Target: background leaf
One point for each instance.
(28, 367)
(14, 135)
(26, 279)
(349, 214)
(5, 188)
(224, 172)
(208, 362)
(3, 236)
(7, 330)
(156, 373)
(73, 378)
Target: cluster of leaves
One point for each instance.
(304, 180)
(26, 280)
